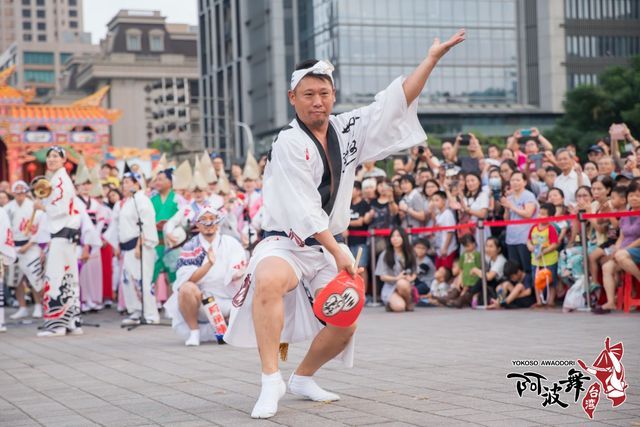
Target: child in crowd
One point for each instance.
(543, 244)
(426, 268)
(463, 271)
(446, 242)
(439, 288)
(516, 291)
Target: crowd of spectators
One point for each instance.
(527, 179)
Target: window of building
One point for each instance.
(42, 26)
(26, 37)
(42, 38)
(26, 25)
(64, 57)
(39, 76)
(26, 2)
(156, 40)
(73, 24)
(73, 2)
(26, 13)
(134, 40)
(40, 2)
(40, 13)
(38, 58)
(73, 13)
(42, 91)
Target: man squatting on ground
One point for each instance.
(307, 189)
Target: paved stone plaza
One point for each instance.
(431, 367)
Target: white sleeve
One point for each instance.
(88, 232)
(7, 249)
(57, 204)
(40, 233)
(148, 216)
(386, 126)
(111, 235)
(236, 263)
(290, 193)
(174, 222)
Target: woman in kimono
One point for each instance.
(61, 301)
(307, 190)
(29, 231)
(7, 257)
(138, 250)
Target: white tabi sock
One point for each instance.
(307, 387)
(194, 338)
(273, 388)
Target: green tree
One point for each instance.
(590, 110)
(166, 146)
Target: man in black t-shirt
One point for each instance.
(361, 217)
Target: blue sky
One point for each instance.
(98, 12)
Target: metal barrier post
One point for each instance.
(374, 282)
(585, 256)
(483, 266)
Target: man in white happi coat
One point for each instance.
(7, 257)
(307, 189)
(210, 264)
(61, 291)
(29, 231)
(124, 235)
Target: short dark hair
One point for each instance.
(357, 185)
(551, 210)
(441, 194)
(554, 169)
(467, 239)
(447, 274)
(422, 241)
(409, 178)
(633, 186)
(620, 190)
(511, 267)
(494, 146)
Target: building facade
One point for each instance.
(519, 59)
(140, 49)
(173, 111)
(38, 37)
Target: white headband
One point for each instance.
(17, 184)
(208, 209)
(324, 68)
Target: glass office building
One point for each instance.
(373, 41)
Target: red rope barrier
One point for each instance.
(420, 230)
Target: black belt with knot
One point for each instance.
(310, 241)
(19, 243)
(71, 234)
(129, 244)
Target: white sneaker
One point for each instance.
(20, 314)
(57, 332)
(194, 339)
(37, 311)
(132, 320)
(3, 328)
(98, 307)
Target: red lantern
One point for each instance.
(31, 168)
(68, 166)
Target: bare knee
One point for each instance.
(274, 278)
(403, 286)
(621, 256)
(189, 290)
